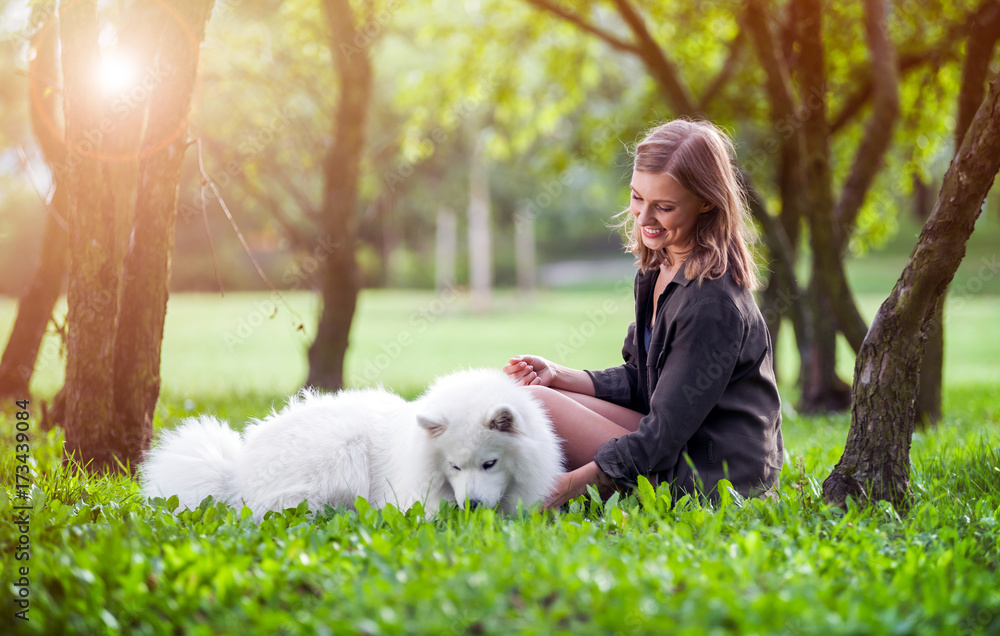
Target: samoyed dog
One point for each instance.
(474, 435)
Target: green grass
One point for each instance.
(103, 561)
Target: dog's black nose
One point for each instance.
(474, 503)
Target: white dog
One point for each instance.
(475, 435)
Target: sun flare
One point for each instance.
(117, 73)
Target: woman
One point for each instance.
(696, 399)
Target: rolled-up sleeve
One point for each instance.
(619, 384)
(700, 355)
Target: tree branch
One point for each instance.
(297, 235)
(976, 67)
(606, 36)
(779, 88)
(906, 64)
(941, 51)
(878, 132)
(662, 68)
(782, 103)
(206, 180)
(727, 71)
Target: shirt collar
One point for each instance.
(649, 276)
(681, 277)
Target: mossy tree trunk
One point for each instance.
(341, 168)
(876, 461)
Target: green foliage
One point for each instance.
(103, 560)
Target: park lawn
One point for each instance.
(102, 560)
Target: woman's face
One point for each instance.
(666, 213)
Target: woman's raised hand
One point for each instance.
(531, 370)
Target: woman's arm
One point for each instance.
(537, 371)
(617, 384)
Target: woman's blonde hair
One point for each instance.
(702, 159)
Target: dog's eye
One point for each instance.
(490, 464)
(454, 467)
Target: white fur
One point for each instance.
(328, 449)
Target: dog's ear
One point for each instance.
(432, 426)
(502, 419)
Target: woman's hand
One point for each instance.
(568, 486)
(574, 483)
(531, 370)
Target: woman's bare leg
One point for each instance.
(584, 422)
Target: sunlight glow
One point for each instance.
(117, 73)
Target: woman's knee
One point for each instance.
(541, 393)
(554, 400)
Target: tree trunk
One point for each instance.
(390, 240)
(929, 391)
(923, 199)
(524, 253)
(35, 305)
(341, 170)
(138, 41)
(822, 390)
(789, 299)
(92, 297)
(805, 184)
(480, 254)
(832, 227)
(782, 295)
(445, 249)
(146, 271)
(876, 461)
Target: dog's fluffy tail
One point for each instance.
(193, 461)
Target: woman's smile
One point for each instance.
(666, 212)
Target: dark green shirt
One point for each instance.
(707, 388)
